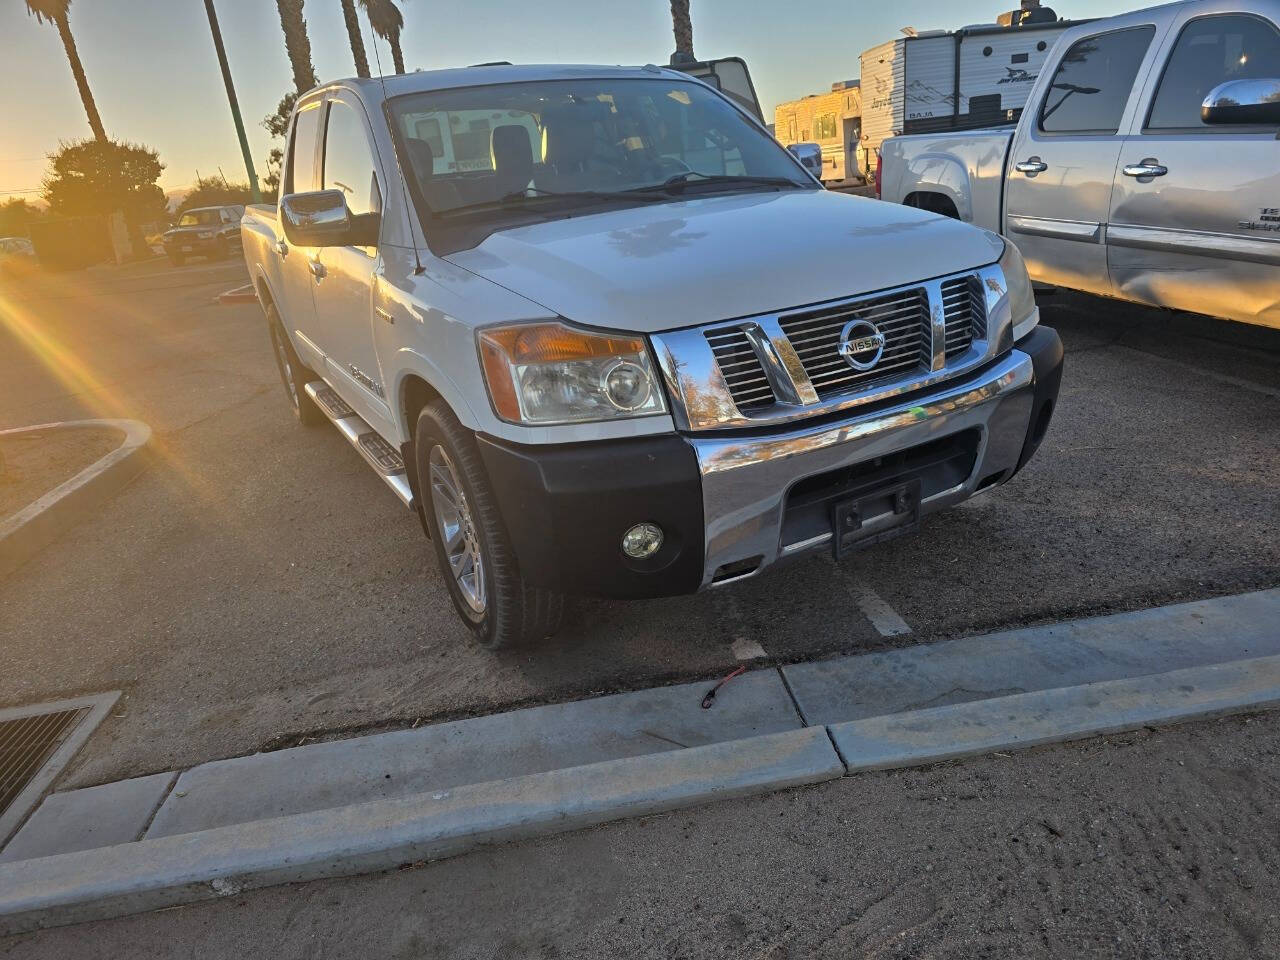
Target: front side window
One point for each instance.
(348, 160)
(1210, 51)
(1092, 83)
(584, 139)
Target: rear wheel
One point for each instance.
(293, 374)
(472, 548)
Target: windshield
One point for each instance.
(199, 218)
(477, 147)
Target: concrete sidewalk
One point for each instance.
(375, 802)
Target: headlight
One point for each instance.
(1022, 298)
(551, 373)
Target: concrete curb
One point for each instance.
(367, 837)
(38, 524)
(1057, 716)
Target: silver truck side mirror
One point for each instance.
(1243, 101)
(323, 219)
(809, 155)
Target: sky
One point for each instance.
(154, 74)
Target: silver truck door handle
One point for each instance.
(282, 248)
(1149, 167)
(317, 269)
(1033, 165)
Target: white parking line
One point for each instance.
(882, 616)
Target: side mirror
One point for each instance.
(1243, 101)
(323, 219)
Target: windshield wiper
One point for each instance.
(722, 179)
(519, 198)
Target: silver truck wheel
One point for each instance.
(293, 374)
(473, 552)
(457, 530)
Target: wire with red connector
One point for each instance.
(710, 697)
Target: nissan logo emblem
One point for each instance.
(861, 344)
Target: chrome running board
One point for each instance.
(379, 454)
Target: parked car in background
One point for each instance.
(634, 349)
(211, 232)
(16, 254)
(1146, 165)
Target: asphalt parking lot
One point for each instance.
(259, 586)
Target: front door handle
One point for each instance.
(1144, 171)
(317, 269)
(282, 248)
(1031, 166)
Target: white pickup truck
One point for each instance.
(1145, 166)
(614, 340)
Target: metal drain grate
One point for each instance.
(36, 743)
(27, 743)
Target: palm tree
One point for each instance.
(682, 27)
(357, 41)
(57, 13)
(296, 43)
(387, 22)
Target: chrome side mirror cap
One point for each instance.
(323, 219)
(1243, 101)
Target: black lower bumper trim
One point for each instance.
(1044, 347)
(566, 508)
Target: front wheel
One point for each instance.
(293, 374)
(472, 548)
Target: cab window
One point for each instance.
(1092, 83)
(348, 160)
(1210, 51)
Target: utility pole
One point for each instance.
(254, 192)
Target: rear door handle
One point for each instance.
(1031, 166)
(317, 269)
(1148, 168)
(282, 248)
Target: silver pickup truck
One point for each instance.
(606, 337)
(1145, 166)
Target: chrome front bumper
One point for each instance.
(746, 480)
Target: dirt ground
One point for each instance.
(32, 464)
(1158, 844)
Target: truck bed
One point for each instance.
(965, 166)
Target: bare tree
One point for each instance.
(58, 13)
(297, 44)
(682, 27)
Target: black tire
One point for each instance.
(514, 612)
(293, 375)
(177, 259)
(220, 251)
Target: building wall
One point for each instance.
(827, 119)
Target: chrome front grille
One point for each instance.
(903, 318)
(963, 313)
(741, 368)
(776, 368)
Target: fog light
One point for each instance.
(641, 541)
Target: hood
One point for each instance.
(661, 266)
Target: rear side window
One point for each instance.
(1210, 51)
(302, 152)
(348, 160)
(1092, 83)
